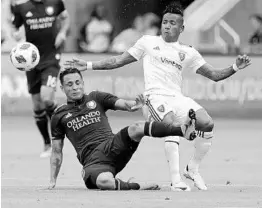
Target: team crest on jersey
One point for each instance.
(161, 108)
(91, 104)
(49, 10)
(182, 56)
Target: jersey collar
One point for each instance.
(77, 102)
(171, 43)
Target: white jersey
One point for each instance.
(164, 62)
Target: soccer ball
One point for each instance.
(25, 56)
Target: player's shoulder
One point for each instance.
(188, 49)
(95, 94)
(61, 108)
(149, 38)
(184, 45)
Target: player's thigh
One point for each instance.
(37, 102)
(33, 81)
(204, 122)
(181, 106)
(158, 107)
(92, 172)
(49, 82)
(121, 149)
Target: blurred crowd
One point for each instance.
(98, 35)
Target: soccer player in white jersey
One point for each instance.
(164, 59)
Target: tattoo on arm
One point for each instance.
(215, 74)
(56, 158)
(114, 62)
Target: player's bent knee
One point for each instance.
(205, 125)
(136, 130)
(105, 181)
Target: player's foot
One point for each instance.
(196, 178)
(47, 151)
(180, 186)
(145, 185)
(188, 128)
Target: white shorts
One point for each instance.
(160, 105)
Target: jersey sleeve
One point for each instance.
(138, 50)
(61, 6)
(17, 19)
(195, 61)
(107, 100)
(57, 130)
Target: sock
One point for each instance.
(42, 124)
(172, 156)
(159, 129)
(50, 109)
(121, 185)
(202, 147)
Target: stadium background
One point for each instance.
(238, 96)
(233, 168)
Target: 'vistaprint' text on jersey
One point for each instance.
(164, 63)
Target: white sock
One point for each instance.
(202, 147)
(172, 156)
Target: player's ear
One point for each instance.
(182, 28)
(62, 88)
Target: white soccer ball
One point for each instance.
(25, 56)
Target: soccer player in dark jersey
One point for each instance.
(102, 154)
(39, 18)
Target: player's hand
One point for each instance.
(60, 38)
(80, 64)
(17, 35)
(243, 61)
(140, 102)
(52, 185)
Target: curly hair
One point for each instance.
(174, 7)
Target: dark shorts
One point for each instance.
(110, 156)
(47, 77)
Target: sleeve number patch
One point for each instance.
(51, 81)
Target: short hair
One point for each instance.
(174, 8)
(66, 71)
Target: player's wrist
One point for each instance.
(235, 67)
(89, 65)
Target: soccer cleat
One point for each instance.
(144, 185)
(47, 151)
(196, 178)
(188, 128)
(180, 186)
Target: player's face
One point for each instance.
(73, 86)
(172, 26)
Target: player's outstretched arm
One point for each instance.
(216, 75)
(61, 36)
(106, 64)
(130, 105)
(56, 160)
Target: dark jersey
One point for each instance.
(39, 20)
(84, 122)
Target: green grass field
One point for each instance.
(232, 170)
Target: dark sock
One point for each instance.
(121, 185)
(42, 124)
(160, 129)
(50, 109)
